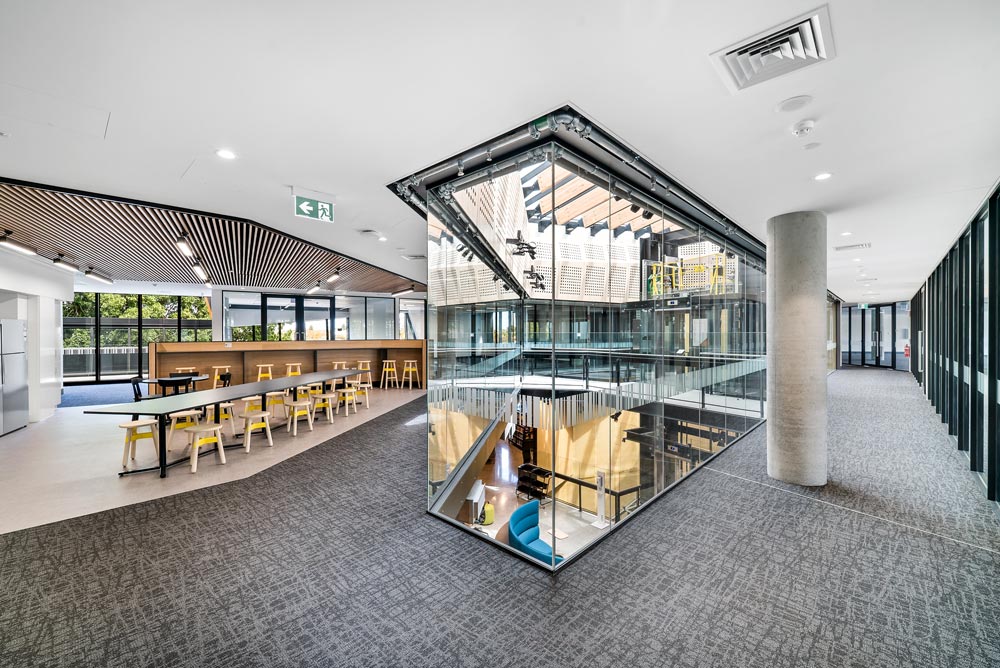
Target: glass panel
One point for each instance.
(411, 318)
(885, 336)
(241, 316)
(845, 335)
(381, 317)
(159, 324)
(903, 350)
(119, 344)
(832, 311)
(857, 335)
(350, 318)
(870, 336)
(281, 319)
(79, 332)
(196, 318)
(317, 318)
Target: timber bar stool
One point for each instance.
(349, 395)
(293, 369)
(276, 399)
(205, 434)
(388, 374)
(226, 409)
(297, 408)
(361, 388)
(324, 399)
(365, 368)
(186, 369)
(264, 372)
(132, 434)
(256, 419)
(217, 372)
(409, 372)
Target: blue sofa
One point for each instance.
(522, 533)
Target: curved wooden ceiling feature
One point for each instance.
(131, 241)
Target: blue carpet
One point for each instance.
(96, 395)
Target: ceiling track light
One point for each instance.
(100, 278)
(404, 291)
(314, 289)
(184, 245)
(7, 242)
(61, 262)
(209, 285)
(199, 271)
(334, 276)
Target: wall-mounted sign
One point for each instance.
(306, 207)
(862, 305)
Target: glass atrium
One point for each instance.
(589, 346)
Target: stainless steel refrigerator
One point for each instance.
(13, 375)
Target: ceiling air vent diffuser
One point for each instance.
(867, 244)
(414, 257)
(800, 42)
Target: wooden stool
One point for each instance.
(132, 434)
(388, 374)
(264, 372)
(182, 420)
(364, 366)
(276, 399)
(296, 409)
(252, 404)
(205, 434)
(361, 388)
(409, 372)
(293, 369)
(226, 413)
(217, 371)
(257, 419)
(349, 396)
(324, 400)
(186, 369)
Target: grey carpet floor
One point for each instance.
(329, 560)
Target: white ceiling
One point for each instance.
(345, 98)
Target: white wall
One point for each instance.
(32, 289)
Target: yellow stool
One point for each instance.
(182, 420)
(324, 400)
(257, 419)
(226, 413)
(293, 369)
(205, 434)
(296, 409)
(350, 397)
(364, 366)
(132, 434)
(216, 372)
(264, 372)
(409, 372)
(276, 399)
(388, 374)
(252, 404)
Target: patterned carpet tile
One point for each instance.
(328, 559)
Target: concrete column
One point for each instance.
(796, 348)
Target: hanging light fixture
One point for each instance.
(199, 270)
(100, 278)
(404, 291)
(334, 276)
(184, 245)
(7, 242)
(314, 289)
(63, 264)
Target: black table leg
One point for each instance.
(163, 446)
(216, 413)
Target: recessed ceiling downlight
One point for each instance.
(845, 234)
(793, 103)
(822, 176)
(226, 154)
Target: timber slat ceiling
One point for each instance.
(135, 242)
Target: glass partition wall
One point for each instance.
(588, 347)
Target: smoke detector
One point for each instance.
(803, 128)
(797, 43)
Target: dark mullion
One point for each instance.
(97, 337)
(993, 470)
(962, 327)
(976, 342)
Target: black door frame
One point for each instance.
(872, 312)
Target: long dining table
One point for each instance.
(162, 407)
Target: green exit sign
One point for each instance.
(316, 209)
(862, 305)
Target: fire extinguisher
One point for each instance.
(906, 351)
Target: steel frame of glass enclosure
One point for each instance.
(645, 348)
(955, 359)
